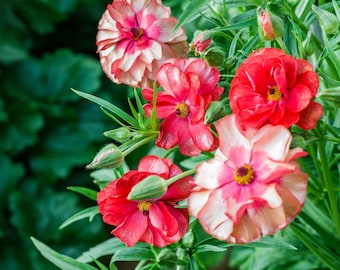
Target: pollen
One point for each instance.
(182, 110)
(244, 174)
(137, 33)
(144, 207)
(274, 94)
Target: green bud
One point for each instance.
(214, 56)
(120, 135)
(308, 46)
(108, 157)
(230, 62)
(166, 254)
(215, 111)
(151, 187)
(188, 240)
(328, 21)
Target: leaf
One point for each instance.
(108, 247)
(110, 107)
(134, 253)
(92, 194)
(90, 213)
(192, 10)
(61, 261)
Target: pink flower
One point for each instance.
(253, 185)
(135, 37)
(273, 87)
(189, 86)
(158, 221)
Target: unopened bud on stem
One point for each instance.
(108, 157)
(151, 187)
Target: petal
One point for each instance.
(132, 229)
(273, 140)
(154, 164)
(244, 231)
(161, 219)
(201, 136)
(298, 98)
(230, 135)
(208, 173)
(310, 115)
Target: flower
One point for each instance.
(135, 37)
(155, 221)
(273, 87)
(253, 185)
(270, 25)
(189, 86)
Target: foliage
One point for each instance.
(49, 133)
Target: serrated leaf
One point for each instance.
(89, 213)
(108, 247)
(61, 261)
(92, 194)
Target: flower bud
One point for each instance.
(270, 26)
(188, 240)
(108, 157)
(308, 46)
(202, 40)
(151, 187)
(328, 21)
(120, 135)
(215, 111)
(214, 56)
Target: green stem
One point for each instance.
(179, 176)
(282, 44)
(139, 144)
(329, 185)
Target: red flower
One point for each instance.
(189, 86)
(273, 87)
(158, 221)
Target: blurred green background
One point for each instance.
(47, 133)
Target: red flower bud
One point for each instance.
(202, 40)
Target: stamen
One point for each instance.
(274, 94)
(243, 175)
(137, 33)
(182, 110)
(144, 207)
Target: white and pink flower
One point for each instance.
(135, 37)
(252, 187)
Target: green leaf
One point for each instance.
(61, 261)
(110, 107)
(192, 10)
(90, 213)
(108, 247)
(134, 253)
(92, 194)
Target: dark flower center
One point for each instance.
(274, 94)
(182, 110)
(244, 174)
(137, 33)
(144, 207)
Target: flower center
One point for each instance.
(274, 94)
(144, 207)
(137, 33)
(182, 110)
(243, 175)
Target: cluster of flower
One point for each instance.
(253, 185)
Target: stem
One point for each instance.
(282, 44)
(139, 144)
(180, 176)
(329, 185)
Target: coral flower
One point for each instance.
(135, 37)
(155, 221)
(189, 86)
(273, 87)
(252, 187)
